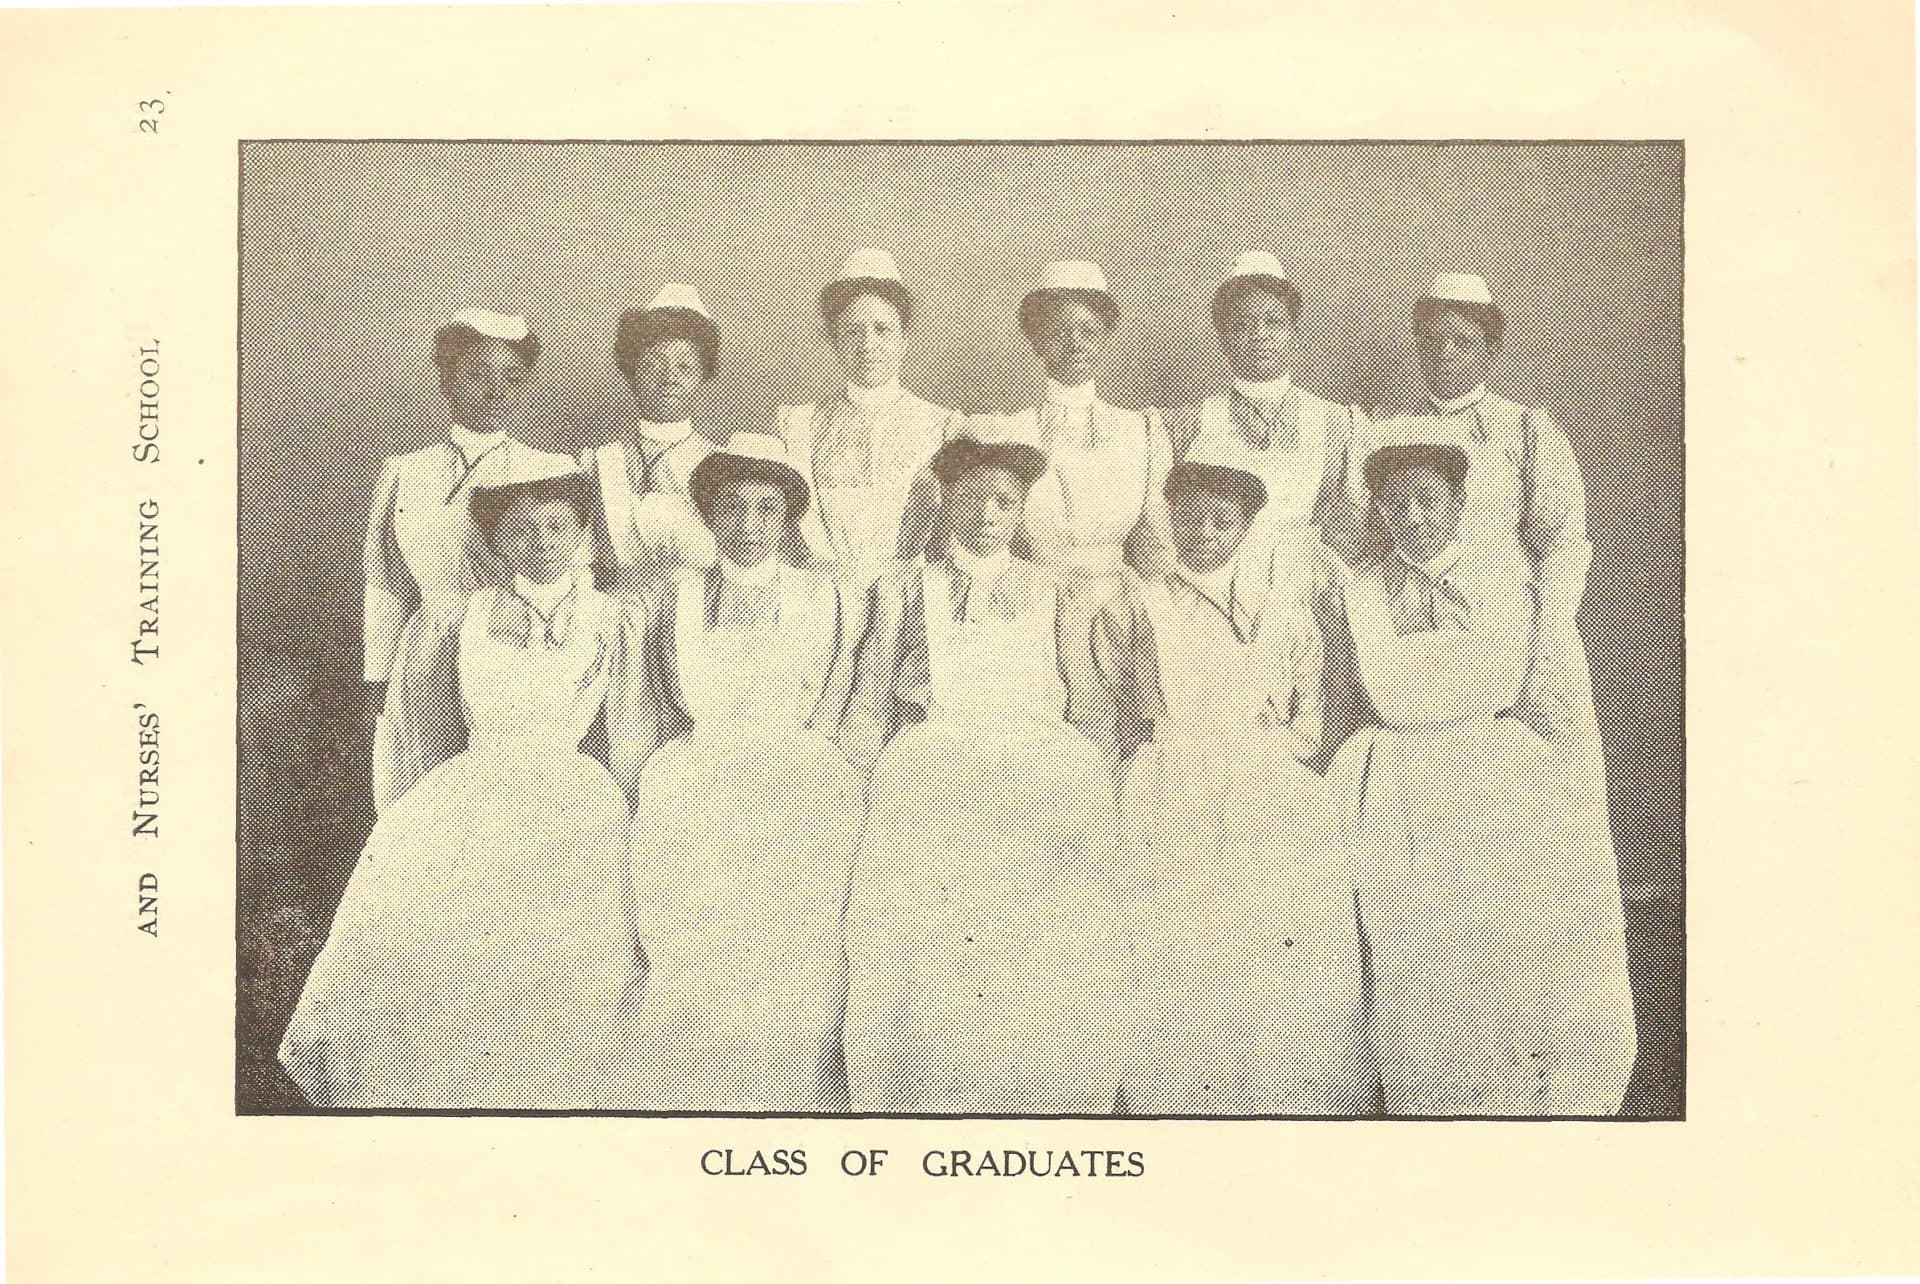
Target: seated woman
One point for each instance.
(983, 936)
(1244, 932)
(748, 817)
(483, 955)
(1493, 928)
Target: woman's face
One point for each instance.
(748, 518)
(664, 378)
(868, 338)
(983, 508)
(1207, 528)
(1258, 337)
(486, 385)
(1068, 337)
(538, 540)
(1420, 510)
(1455, 354)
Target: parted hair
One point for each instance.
(490, 504)
(1488, 316)
(835, 298)
(450, 343)
(1035, 307)
(1241, 286)
(1449, 461)
(640, 329)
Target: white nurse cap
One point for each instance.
(495, 325)
(1460, 287)
(683, 298)
(764, 446)
(1073, 275)
(1223, 450)
(1257, 263)
(870, 265)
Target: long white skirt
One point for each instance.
(741, 851)
(985, 946)
(483, 955)
(1248, 952)
(1492, 921)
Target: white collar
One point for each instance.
(1216, 584)
(1078, 397)
(976, 569)
(1270, 392)
(1437, 565)
(471, 444)
(874, 400)
(545, 598)
(666, 434)
(1458, 404)
(749, 576)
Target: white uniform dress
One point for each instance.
(422, 545)
(483, 955)
(1305, 448)
(647, 526)
(1493, 926)
(986, 966)
(1243, 913)
(742, 843)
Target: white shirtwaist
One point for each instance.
(742, 844)
(984, 942)
(483, 956)
(648, 525)
(1245, 941)
(421, 542)
(1493, 925)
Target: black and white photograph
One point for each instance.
(1052, 629)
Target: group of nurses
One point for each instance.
(977, 762)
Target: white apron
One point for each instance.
(654, 531)
(984, 944)
(742, 843)
(1295, 472)
(483, 955)
(1245, 938)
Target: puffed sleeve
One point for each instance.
(391, 595)
(1150, 543)
(1341, 510)
(1554, 526)
(873, 709)
(423, 724)
(632, 711)
(1430, 678)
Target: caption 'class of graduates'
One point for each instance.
(885, 758)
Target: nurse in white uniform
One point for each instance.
(483, 955)
(1243, 915)
(421, 543)
(1304, 443)
(1525, 495)
(1493, 926)
(647, 527)
(748, 814)
(985, 946)
(865, 451)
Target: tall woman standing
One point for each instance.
(422, 544)
(647, 527)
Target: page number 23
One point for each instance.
(151, 111)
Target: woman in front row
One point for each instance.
(483, 955)
(1245, 940)
(748, 818)
(1493, 926)
(983, 934)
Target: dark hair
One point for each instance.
(719, 470)
(1216, 479)
(1239, 287)
(451, 341)
(1492, 321)
(641, 329)
(1450, 462)
(1099, 302)
(489, 504)
(837, 296)
(963, 455)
